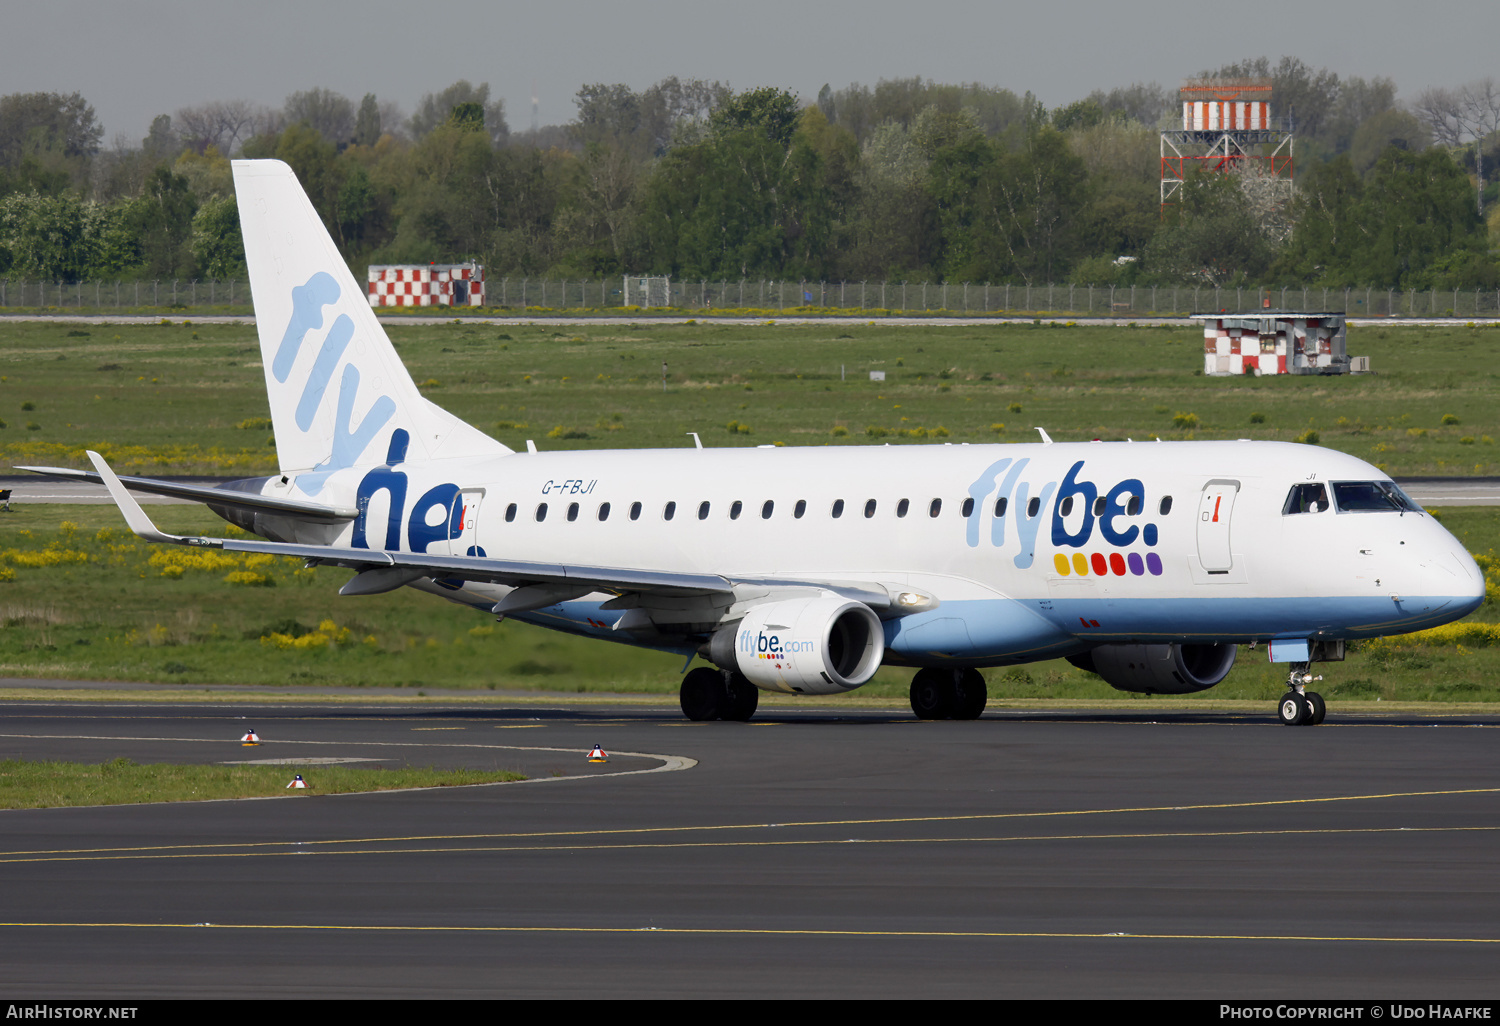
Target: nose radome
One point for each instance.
(1468, 576)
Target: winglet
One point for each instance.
(135, 517)
(1045, 437)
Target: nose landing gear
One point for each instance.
(1300, 707)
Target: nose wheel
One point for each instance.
(1300, 707)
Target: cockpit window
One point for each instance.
(1372, 497)
(1305, 498)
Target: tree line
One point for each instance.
(906, 180)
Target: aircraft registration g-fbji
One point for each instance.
(802, 570)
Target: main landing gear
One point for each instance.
(709, 693)
(948, 694)
(1300, 707)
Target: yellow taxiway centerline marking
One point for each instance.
(972, 817)
(764, 932)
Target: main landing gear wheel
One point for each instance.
(948, 694)
(712, 694)
(931, 696)
(972, 695)
(741, 697)
(1293, 710)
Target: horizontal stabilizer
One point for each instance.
(515, 573)
(226, 497)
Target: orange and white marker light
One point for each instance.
(597, 755)
(250, 739)
(297, 782)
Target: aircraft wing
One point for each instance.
(515, 573)
(226, 497)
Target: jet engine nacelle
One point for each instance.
(822, 645)
(1160, 669)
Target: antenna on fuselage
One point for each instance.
(697, 442)
(1045, 437)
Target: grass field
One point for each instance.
(81, 598)
(44, 785)
(190, 398)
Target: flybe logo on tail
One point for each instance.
(348, 441)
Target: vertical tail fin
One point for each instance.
(338, 390)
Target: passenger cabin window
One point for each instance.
(1372, 497)
(1166, 505)
(603, 511)
(510, 513)
(1099, 506)
(735, 509)
(1034, 506)
(767, 509)
(838, 508)
(1066, 506)
(702, 511)
(1305, 498)
(902, 507)
(799, 509)
(1000, 505)
(635, 511)
(869, 509)
(572, 512)
(669, 511)
(541, 512)
(1134, 506)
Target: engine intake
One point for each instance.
(820, 645)
(1159, 669)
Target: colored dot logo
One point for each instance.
(1115, 563)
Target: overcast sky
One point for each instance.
(135, 60)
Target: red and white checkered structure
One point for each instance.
(1227, 127)
(1271, 342)
(1225, 115)
(426, 284)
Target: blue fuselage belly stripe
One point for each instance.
(1005, 629)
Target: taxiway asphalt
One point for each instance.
(860, 854)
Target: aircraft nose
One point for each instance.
(1469, 595)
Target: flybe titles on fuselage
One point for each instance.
(1103, 525)
(1084, 516)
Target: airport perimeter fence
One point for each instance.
(883, 298)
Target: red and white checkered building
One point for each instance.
(1270, 342)
(426, 285)
(1225, 115)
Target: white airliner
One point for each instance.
(802, 570)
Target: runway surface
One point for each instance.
(871, 855)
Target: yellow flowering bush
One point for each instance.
(328, 633)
